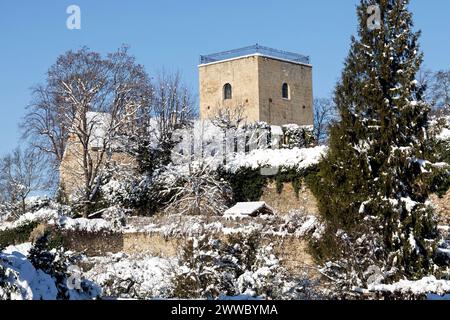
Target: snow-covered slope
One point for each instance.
(25, 282)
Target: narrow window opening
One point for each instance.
(285, 91)
(227, 92)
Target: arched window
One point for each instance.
(227, 92)
(285, 91)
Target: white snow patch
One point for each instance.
(32, 283)
(423, 286)
(295, 158)
(444, 135)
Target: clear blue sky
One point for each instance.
(171, 34)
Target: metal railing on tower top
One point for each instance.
(225, 55)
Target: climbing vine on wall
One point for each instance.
(247, 184)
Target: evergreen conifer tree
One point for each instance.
(52, 262)
(40, 255)
(371, 189)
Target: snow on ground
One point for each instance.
(119, 275)
(31, 283)
(425, 286)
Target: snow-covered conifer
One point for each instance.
(372, 192)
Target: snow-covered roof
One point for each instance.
(248, 208)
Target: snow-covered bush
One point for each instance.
(212, 268)
(199, 275)
(56, 263)
(140, 193)
(7, 289)
(199, 192)
(131, 277)
(296, 136)
(425, 288)
(119, 188)
(264, 277)
(301, 224)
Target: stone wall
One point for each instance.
(292, 252)
(257, 86)
(442, 207)
(71, 168)
(151, 243)
(298, 108)
(92, 243)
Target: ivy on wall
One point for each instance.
(247, 184)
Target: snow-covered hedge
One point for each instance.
(296, 158)
(296, 224)
(57, 218)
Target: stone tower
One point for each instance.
(271, 85)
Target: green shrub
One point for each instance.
(246, 184)
(292, 176)
(17, 235)
(56, 239)
(212, 267)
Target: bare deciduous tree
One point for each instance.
(229, 119)
(21, 173)
(88, 101)
(441, 89)
(199, 192)
(435, 90)
(324, 114)
(173, 104)
(424, 81)
(171, 107)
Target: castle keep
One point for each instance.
(271, 85)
